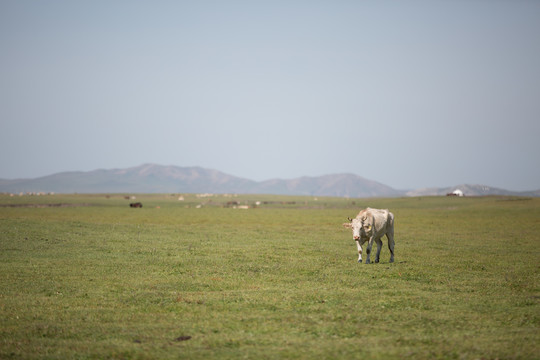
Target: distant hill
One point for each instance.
(152, 178)
(470, 190)
(341, 185)
(147, 178)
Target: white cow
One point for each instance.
(371, 225)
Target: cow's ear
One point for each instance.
(347, 225)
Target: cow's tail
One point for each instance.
(390, 222)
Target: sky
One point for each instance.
(411, 94)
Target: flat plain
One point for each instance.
(88, 277)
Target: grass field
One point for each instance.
(98, 279)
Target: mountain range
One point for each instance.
(153, 178)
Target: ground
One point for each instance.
(196, 279)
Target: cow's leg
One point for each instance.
(379, 247)
(368, 249)
(359, 246)
(390, 236)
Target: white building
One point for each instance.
(457, 192)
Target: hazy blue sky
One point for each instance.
(408, 93)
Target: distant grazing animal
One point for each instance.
(136, 205)
(371, 225)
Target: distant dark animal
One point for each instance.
(136, 205)
(232, 203)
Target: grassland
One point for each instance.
(98, 279)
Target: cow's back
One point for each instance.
(381, 219)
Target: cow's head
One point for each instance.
(360, 228)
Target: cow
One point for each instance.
(136, 205)
(371, 225)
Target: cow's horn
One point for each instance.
(349, 219)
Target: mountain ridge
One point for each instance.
(154, 178)
(471, 190)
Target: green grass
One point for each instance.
(277, 281)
